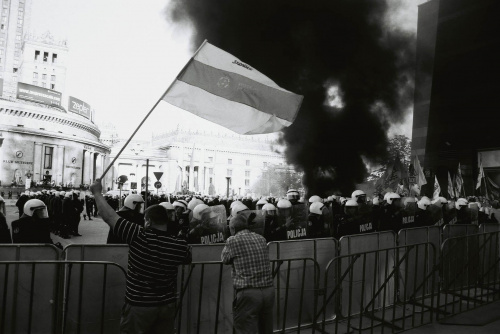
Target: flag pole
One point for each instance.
(150, 111)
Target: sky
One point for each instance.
(123, 54)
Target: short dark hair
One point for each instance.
(157, 214)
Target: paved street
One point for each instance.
(93, 231)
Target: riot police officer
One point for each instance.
(315, 223)
(422, 215)
(33, 226)
(133, 211)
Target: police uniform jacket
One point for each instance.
(30, 231)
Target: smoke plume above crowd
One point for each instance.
(354, 69)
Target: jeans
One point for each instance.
(253, 310)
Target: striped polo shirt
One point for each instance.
(153, 259)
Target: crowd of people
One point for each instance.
(204, 219)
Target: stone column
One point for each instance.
(37, 162)
(59, 170)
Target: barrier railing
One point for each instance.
(23, 296)
(366, 296)
(213, 313)
(470, 271)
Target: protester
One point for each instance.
(154, 257)
(248, 254)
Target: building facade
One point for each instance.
(198, 161)
(42, 138)
(455, 116)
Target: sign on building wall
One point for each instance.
(79, 107)
(38, 94)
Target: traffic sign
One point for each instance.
(157, 184)
(158, 175)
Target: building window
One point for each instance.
(210, 171)
(45, 57)
(35, 75)
(229, 161)
(229, 172)
(210, 159)
(52, 86)
(54, 58)
(247, 182)
(44, 76)
(18, 37)
(47, 161)
(35, 83)
(52, 78)
(247, 173)
(37, 54)
(44, 85)
(247, 162)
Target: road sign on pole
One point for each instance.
(158, 175)
(157, 184)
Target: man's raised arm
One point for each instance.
(107, 213)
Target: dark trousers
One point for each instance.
(153, 319)
(253, 310)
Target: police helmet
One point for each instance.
(343, 200)
(358, 193)
(424, 203)
(391, 197)
(268, 207)
(440, 201)
(262, 201)
(35, 205)
(284, 204)
(181, 204)
(329, 199)
(132, 200)
(198, 211)
(351, 203)
(167, 205)
(315, 198)
(69, 194)
(194, 203)
(408, 200)
(461, 202)
(292, 194)
(238, 208)
(316, 208)
(376, 200)
(234, 203)
(62, 193)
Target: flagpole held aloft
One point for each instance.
(150, 111)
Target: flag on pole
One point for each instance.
(459, 181)
(437, 188)
(395, 176)
(219, 87)
(419, 173)
(480, 176)
(451, 189)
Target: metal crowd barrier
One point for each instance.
(366, 300)
(470, 272)
(208, 308)
(35, 305)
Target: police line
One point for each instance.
(298, 222)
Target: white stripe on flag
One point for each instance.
(238, 117)
(215, 57)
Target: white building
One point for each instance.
(213, 158)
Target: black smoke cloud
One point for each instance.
(306, 46)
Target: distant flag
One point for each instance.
(437, 188)
(419, 173)
(218, 87)
(451, 188)
(480, 176)
(191, 171)
(396, 173)
(459, 181)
